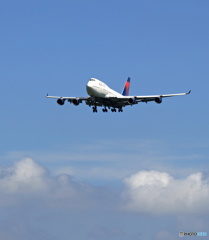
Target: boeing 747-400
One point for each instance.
(100, 95)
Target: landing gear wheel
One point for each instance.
(95, 109)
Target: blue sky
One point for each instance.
(69, 167)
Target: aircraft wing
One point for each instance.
(154, 97)
(70, 99)
(150, 98)
(127, 100)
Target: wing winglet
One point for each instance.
(189, 92)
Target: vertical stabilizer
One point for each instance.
(126, 88)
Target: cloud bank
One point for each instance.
(159, 193)
(26, 180)
(151, 192)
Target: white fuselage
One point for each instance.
(96, 88)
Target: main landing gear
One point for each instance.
(119, 110)
(105, 109)
(94, 109)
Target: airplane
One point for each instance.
(100, 95)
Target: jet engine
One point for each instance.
(158, 100)
(60, 101)
(76, 101)
(131, 100)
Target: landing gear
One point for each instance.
(94, 109)
(105, 109)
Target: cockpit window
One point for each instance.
(92, 79)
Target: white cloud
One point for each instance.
(151, 178)
(158, 192)
(26, 179)
(25, 174)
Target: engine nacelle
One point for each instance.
(61, 101)
(158, 100)
(131, 100)
(76, 101)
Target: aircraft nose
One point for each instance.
(89, 88)
(88, 85)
